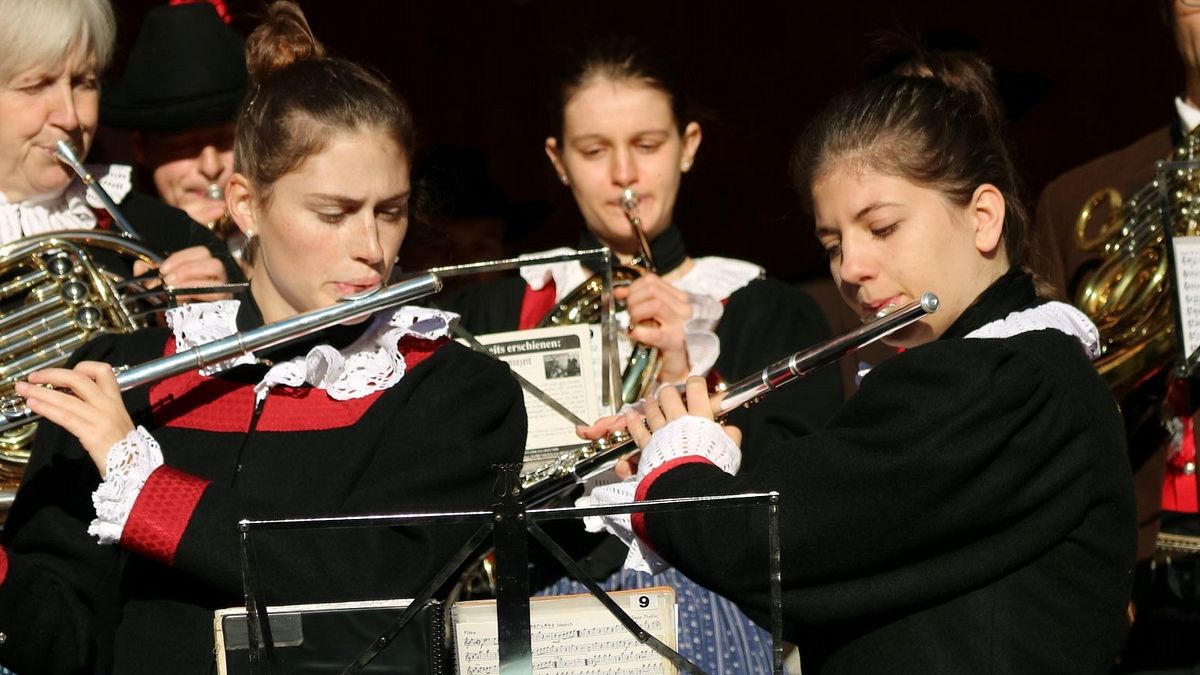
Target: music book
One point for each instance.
(572, 634)
(563, 362)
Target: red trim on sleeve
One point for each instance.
(3, 564)
(161, 513)
(638, 520)
(535, 305)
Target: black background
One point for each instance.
(1079, 79)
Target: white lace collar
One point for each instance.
(1058, 316)
(710, 276)
(710, 281)
(371, 363)
(70, 210)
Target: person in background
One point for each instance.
(622, 121)
(1161, 410)
(179, 95)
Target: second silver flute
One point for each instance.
(549, 481)
(15, 413)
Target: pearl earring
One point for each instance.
(563, 177)
(685, 165)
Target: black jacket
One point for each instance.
(970, 510)
(69, 605)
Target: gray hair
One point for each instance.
(37, 33)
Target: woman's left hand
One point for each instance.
(85, 401)
(657, 314)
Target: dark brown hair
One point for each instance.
(618, 59)
(935, 121)
(299, 94)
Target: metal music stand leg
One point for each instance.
(512, 577)
(258, 627)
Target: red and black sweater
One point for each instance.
(428, 443)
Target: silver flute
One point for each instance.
(561, 475)
(15, 413)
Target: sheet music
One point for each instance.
(1187, 278)
(562, 361)
(572, 635)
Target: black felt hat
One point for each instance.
(187, 69)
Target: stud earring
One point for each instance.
(685, 165)
(563, 177)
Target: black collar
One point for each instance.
(1010, 293)
(668, 248)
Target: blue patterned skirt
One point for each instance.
(713, 632)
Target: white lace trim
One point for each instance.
(70, 210)
(1058, 316)
(130, 462)
(199, 323)
(371, 363)
(688, 436)
(711, 280)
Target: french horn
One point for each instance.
(1128, 296)
(55, 295)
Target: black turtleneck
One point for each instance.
(1012, 292)
(667, 248)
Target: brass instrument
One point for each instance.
(55, 296)
(582, 305)
(1128, 296)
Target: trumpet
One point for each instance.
(15, 413)
(576, 466)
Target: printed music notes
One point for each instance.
(572, 635)
(1187, 278)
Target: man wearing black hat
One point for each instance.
(179, 94)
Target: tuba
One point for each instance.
(582, 305)
(1128, 296)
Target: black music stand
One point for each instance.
(510, 524)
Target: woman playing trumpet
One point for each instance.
(623, 142)
(123, 537)
(970, 509)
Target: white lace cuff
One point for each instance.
(130, 462)
(690, 436)
(640, 557)
(685, 437)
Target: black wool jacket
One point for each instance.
(969, 510)
(427, 443)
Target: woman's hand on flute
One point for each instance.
(85, 401)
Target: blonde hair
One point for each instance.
(37, 33)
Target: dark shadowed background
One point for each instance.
(1079, 79)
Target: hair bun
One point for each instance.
(283, 38)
